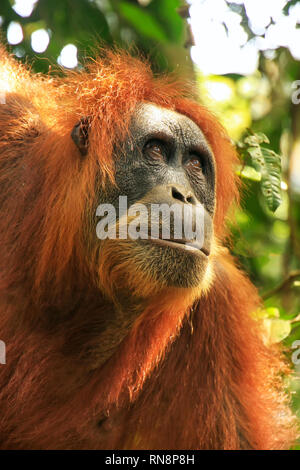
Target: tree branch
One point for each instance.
(283, 285)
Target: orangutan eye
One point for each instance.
(194, 163)
(155, 149)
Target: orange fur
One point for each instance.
(193, 372)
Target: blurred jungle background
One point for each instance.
(245, 58)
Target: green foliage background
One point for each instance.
(266, 234)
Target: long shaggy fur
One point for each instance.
(193, 373)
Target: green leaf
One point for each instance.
(267, 163)
(166, 14)
(273, 312)
(249, 173)
(31, 27)
(269, 312)
(256, 139)
(288, 5)
(270, 168)
(276, 330)
(142, 21)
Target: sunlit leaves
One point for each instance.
(249, 173)
(274, 328)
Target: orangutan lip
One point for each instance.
(183, 245)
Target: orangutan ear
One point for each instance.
(80, 135)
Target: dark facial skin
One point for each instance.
(167, 148)
(167, 160)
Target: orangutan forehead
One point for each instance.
(155, 120)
